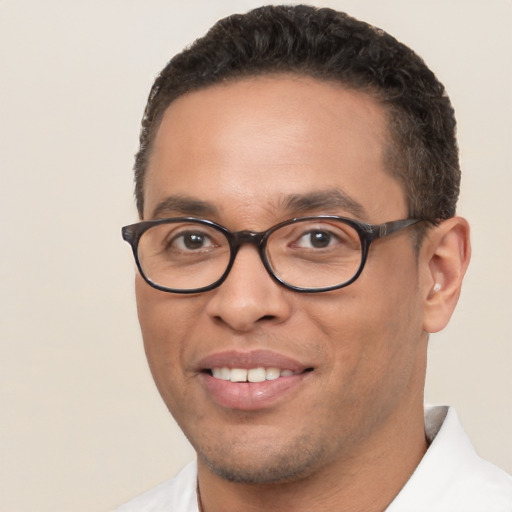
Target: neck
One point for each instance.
(366, 481)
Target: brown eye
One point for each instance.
(315, 240)
(192, 241)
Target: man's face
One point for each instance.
(249, 155)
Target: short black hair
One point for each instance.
(327, 45)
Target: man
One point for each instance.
(297, 181)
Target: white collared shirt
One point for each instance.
(451, 477)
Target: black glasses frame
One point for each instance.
(367, 234)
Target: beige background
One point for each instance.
(81, 425)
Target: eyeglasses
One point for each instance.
(307, 254)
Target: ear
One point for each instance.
(444, 258)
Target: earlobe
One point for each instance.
(444, 255)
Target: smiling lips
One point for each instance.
(250, 381)
(250, 375)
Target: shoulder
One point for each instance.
(452, 477)
(178, 493)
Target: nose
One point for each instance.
(249, 296)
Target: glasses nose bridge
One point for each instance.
(240, 238)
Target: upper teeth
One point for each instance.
(251, 375)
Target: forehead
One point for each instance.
(258, 141)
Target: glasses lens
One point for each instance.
(183, 255)
(315, 253)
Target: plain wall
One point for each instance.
(82, 427)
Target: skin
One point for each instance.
(350, 433)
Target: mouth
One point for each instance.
(251, 381)
(253, 375)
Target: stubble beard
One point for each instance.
(278, 465)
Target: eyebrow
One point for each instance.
(325, 201)
(332, 200)
(183, 206)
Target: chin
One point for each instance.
(267, 466)
(278, 472)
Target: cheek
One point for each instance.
(373, 350)
(163, 326)
(376, 322)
